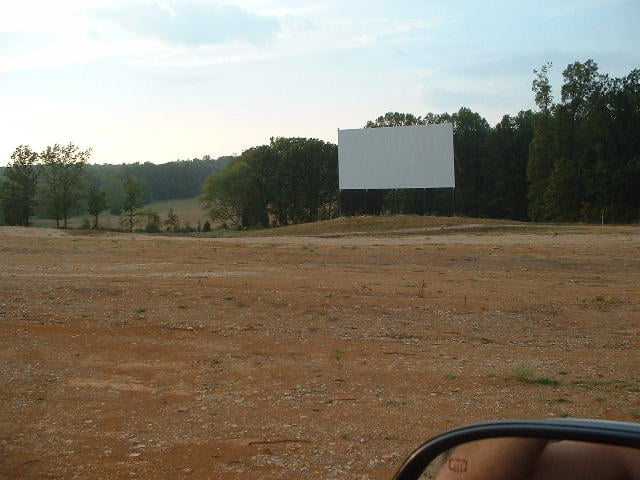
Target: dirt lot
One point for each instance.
(132, 356)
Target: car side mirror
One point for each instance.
(529, 449)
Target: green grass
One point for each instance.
(368, 224)
(602, 301)
(609, 385)
(525, 372)
(187, 209)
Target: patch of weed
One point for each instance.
(525, 372)
(546, 381)
(602, 301)
(608, 385)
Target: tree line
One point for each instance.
(584, 160)
(577, 159)
(291, 180)
(58, 183)
(167, 181)
(52, 179)
(574, 160)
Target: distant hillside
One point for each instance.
(179, 179)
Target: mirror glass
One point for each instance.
(535, 458)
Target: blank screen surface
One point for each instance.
(416, 156)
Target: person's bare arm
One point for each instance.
(569, 460)
(493, 459)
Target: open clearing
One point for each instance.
(318, 356)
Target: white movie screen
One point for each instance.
(416, 156)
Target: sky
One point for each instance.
(157, 81)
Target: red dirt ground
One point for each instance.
(131, 356)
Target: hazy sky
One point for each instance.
(164, 80)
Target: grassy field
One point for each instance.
(187, 209)
(382, 224)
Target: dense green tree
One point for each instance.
(96, 203)
(18, 189)
(62, 186)
(262, 182)
(562, 196)
(226, 194)
(542, 148)
(470, 134)
(542, 89)
(152, 224)
(307, 179)
(581, 163)
(506, 167)
(134, 189)
(396, 119)
(291, 180)
(172, 223)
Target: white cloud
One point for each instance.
(188, 33)
(190, 23)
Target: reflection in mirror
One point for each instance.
(535, 458)
(434, 467)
